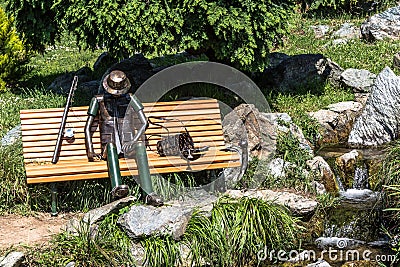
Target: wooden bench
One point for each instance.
(40, 127)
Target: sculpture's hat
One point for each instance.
(116, 83)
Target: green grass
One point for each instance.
(237, 230)
(64, 57)
(357, 53)
(108, 245)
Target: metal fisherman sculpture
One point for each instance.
(120, 135)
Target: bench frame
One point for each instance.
(39, 127)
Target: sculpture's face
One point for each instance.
(116, 83)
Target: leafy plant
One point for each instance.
(13, 54)
(239, 33)
(237, 230)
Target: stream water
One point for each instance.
(356, 222)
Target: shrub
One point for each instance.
(236, 32)
(12, 51)
(36, 20)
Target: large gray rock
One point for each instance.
(336, 121)
(275, 58)
(92, 217)
(96, 215)
(301, 71)
(298, 204)
(144, 221)
(137, 68)
(379, 122)
(383, 25)
(62, 84)
(361, 81)
(103, 62)
(12, 259)
(90, 88)
(170, 219)
(246, 124)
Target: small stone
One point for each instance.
(360, 80)
(12, 259)
(396, 61)
(11, 136)
(319, 188)
(321, 169)
(70, 264)
(320, 263)
(340, 41)
(277, 167)
(320, 31)
(347, 31)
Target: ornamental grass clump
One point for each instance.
(238, 230)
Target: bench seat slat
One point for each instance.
(154, 162)
(128, 173)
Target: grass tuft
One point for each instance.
(106, 245)
(237, 230)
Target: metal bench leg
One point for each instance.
(53, 190)
(114, 172)
(217, 182)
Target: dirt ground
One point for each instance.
(16, 230)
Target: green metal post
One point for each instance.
(53, 190)
(113, 165)
(143, 168)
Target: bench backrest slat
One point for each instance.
(40, 127)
